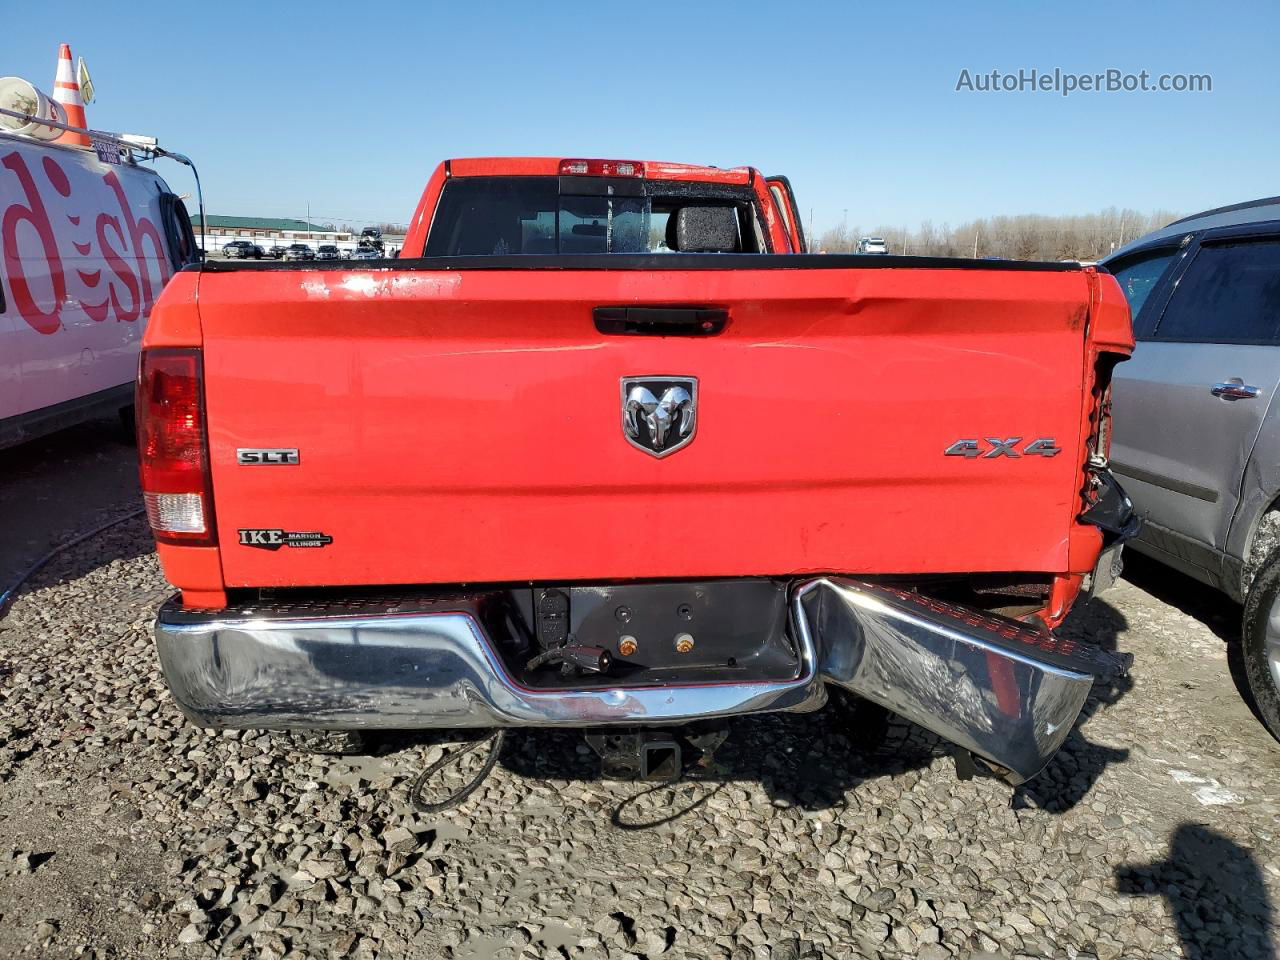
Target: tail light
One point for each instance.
(1100, 417)
(601, 168)
(173, 447)
(1103, 445)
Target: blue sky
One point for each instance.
(349, 105)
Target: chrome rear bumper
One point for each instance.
(983, 683)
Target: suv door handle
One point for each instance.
(1235, 389)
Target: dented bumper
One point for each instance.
(1003, 690)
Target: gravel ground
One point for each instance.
(125, 831)
(60, 485)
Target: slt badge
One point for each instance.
(659, 414)
(268, 457)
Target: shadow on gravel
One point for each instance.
(1214, 609)
(56, 487)
(120, 534)
(807, 760)
(1216, 892)
(813, 761)
(1075, 768)
(1211, 607)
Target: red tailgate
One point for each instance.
(467, 425)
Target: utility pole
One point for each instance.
(975, 244)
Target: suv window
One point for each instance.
(1139, 275)
(1229, 294)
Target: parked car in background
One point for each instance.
(241, 250)
(872, 245)
(299, 251)
(366, 253)
(327, 251)
(1197, 427)
(371, 239)
(276, 251)
(75, 297)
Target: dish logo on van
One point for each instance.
(58, 231)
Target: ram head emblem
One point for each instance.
(659, 414)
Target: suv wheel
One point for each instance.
(1261, 640)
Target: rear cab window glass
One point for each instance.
(509, 216)
(1139, 275)
(1230, 293)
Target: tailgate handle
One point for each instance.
(661, 321)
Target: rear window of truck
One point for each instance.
(506, 216)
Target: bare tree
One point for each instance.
(1086, 237)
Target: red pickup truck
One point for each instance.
(604, 448)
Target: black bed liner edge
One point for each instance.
(625, 261)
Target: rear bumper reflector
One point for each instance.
(1003, 690)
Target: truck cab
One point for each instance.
(521, 206)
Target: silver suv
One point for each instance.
(1197, 422)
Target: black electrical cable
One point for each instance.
(589, 659)
(470, 787)
(554, 655)
(7, 597)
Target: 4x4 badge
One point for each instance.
(275, 539)
(1044, 447)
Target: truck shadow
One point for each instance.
(123, 536)
(814, 760)
(1208, 878)
(1077, 766)
(801, 760)
(57, 487)
(1211, 607)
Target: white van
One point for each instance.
(85, 249)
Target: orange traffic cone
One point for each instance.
(66, 91)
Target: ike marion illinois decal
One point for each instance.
(266, 539)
